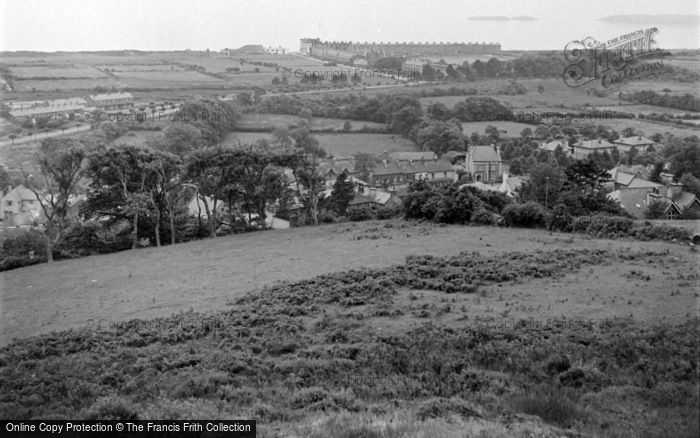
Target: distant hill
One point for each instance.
(249, 49)
(502, 18)
(653, 19)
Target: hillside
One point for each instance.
(489, 331)
(203, 275)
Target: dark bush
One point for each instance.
(22, 244)
(559, 219)
(528, 215)
(359, 213)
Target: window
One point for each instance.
(8, 203)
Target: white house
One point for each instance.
(20, 206)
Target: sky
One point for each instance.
(61, 25)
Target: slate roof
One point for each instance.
(484, 153)
(636, 140)
(598, 143)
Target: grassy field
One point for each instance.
(512, 129)
(346, 145)
(491, 332)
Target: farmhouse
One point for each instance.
(584, 148)
(484, 163)
(640, 143)
(112, 101)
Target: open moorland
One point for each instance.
(379, 329)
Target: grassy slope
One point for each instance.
(202, 275)
(395, 349)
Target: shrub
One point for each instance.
(386, 212)
(112, 408)
(328, 217)
(443, 407)
(552, 405)
(359, 213)
(528, 215)
(23, 244)
(609, 226)
(484, 217)
(559, 219)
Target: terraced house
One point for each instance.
(395, 175)
(112, 101)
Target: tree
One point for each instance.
(180, 139)
(544, 185)
(310, 185)
(526, 134)
(540, 88)
(59, 173)
(583, 190)
(212, 171)
(684, 156)
(167, 191)
(343, 193)
(690, 183)
(428, 73)
(403, 120)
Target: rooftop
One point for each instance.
(637, 140)
(484, 153)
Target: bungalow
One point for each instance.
(640, 143)
(582, 149)
(484, 163)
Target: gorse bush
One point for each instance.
(528, 215)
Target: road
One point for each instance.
(43, 135)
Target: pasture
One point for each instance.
(349, 144)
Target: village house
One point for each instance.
(19, 207)
(484, 164)
(583, 148)
(394, 175)
(640, 143)
(374, 198)
(630, 178)
(676, 202)
(111, 101)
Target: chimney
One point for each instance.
(373, 192)
(384, 163)
(674, 190)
